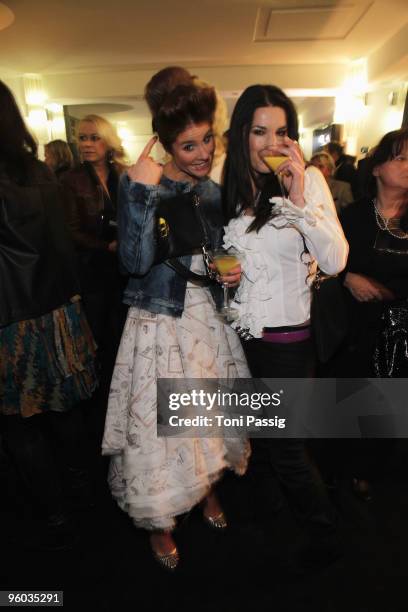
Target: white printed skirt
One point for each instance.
(156, 479)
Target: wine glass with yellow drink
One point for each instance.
(224, 261)
(273, 162)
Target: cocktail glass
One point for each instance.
(273, 162)
(224, 261)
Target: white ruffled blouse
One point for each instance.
(275, 283)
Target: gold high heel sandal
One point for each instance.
(169, 560)
(216, 522)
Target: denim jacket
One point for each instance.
(158, 288)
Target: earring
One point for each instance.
(110, 157)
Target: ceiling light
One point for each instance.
(6, 16)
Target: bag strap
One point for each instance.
(319, 276)
(199, 279)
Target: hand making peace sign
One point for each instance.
(146, 170)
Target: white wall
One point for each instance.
(306, 142)
(381, 117)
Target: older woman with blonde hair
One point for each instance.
(91, 196)
(108, 134)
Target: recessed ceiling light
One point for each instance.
(6, 16)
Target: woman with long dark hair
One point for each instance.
(172, 328)
(46, 347)
(281, 239)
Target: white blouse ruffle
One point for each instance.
(256, 287)
(288, 214)
(275, 270)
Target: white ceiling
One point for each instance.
(53, 36)
(102, 52)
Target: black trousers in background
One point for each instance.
(361, 458)
(31, 444)
(102, 288)
(286, 457)
(106, 316)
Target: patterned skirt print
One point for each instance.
(47, 363)
(156, 479)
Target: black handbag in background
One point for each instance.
(390, 358)
(180, 230)
(328, 314)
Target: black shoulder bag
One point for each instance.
(181, 230)
(328, 314)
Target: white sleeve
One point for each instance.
(317, 222)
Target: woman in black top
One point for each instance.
(46, 347)
(376, 228)
(91, 200)
(376, 275)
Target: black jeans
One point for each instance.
(286, 457)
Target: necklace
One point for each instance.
(384, 224)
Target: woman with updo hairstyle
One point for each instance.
(168, 78)
(172, 329)
(161, 84)
(91, 206)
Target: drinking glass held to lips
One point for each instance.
(274, 162)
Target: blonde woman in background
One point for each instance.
(58, 157)
(91, 205)
(340, 190)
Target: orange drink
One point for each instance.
(274, 161)
(225, 260)
(225, 263)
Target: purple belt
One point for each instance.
(287, 337)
